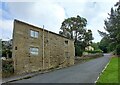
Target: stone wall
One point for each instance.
(54, 50)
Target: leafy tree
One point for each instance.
(0, 47)
(6, 49)
(103, 45)
(88, 38)
(95, 45)
(73, 28)
(112, 26)
(118, 49)
(79, 48)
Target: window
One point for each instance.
(34, 50)
(66, 42)
(34, 34)
(66, 54)
(15, 48)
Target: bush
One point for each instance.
(96, 55)
(5, 52)
(7, 68)
(78, 51)
(118, 49)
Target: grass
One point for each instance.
(110, 75)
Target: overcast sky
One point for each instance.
(51, 13)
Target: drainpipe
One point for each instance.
(49, 50)
(43, 47)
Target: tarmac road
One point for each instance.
(82, 73)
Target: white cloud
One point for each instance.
(46, 13)
(0, 13)
(94, 11)
(77, 1)
(97, 22)
(51, 13)
(6, 29)
(6, 24)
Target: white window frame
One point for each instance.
(34, 34)
(34, 50)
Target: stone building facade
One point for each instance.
(37, 49)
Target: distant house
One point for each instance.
(89, 48)
(37, 49)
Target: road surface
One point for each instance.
(81, 73)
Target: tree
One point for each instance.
(74, 28)
(104, 45)
(118, 49)
(112, 26)
(95, 45)
(88, 38)
(6, 48)
(0, 47)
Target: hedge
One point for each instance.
(118, 49)
(93, 55)
(94, 51)
(7, 68)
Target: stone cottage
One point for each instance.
(89, 48)
(37, 49)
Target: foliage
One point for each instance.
(95, 45)
(78, 49)
(88, 38)
(73, 28)
(102, 34)
(112, 26)
(7, 52)
(73, 25)
(118, 49)
(7, 67)
(6, 49)
(0, 47)
(104, 45)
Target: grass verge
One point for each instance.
(111, 74)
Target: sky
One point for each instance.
(51, 13)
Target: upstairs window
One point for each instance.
(66, 42)
(33, 33)
(34, 50)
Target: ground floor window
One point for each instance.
(67, 54)
(34, 50)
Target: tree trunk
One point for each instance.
(71, 35)
(76, 36)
